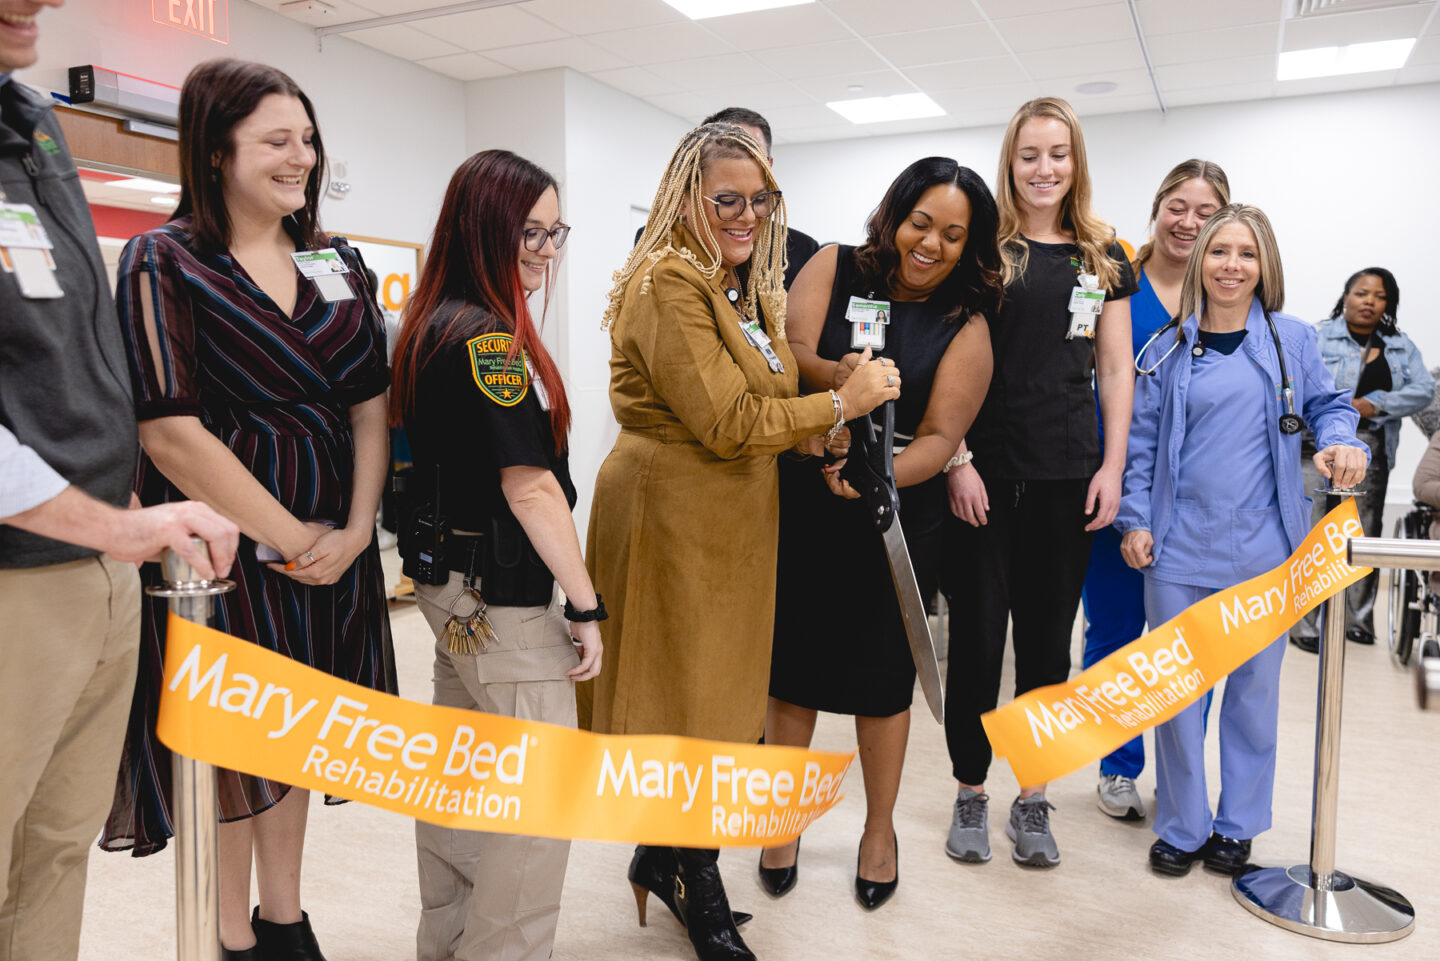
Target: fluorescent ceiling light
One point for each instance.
(705, 9)
(144, 183)
(166, 201)
(1352, 58)
(902, 106)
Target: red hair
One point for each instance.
(475, 259)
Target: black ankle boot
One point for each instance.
(652, 871)
(285, 942)
(704, 909)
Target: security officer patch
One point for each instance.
(501, 378)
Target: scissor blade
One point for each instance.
(917, 620)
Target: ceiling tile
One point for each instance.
(806, 115)
(1159, 17)
(1419, 73)
(1110, 103)
(1426, 51)
(940, 45)
(1216, 73)
(589, 16)
(967, 73)
(1249, 41)
(1099, 59)
(690, 106)
(1225, 93)
(404, 42)
(661, 43)
(871, 17)
(1360, 27)
(734, 68)
(992, 97)
(571, 52)
(1128, 83)
(488, 29)
(1068, 31)
(465, 66)
(760, 97)
(996, 9)
(782, 27)
(339, 11)
(385, 8)
(636, 81)
(820, 59)
(873, 83)
(811, 135)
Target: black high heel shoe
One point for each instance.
(652, 871)
(704, 909)
(777, 882)
(285, 942)
(872, 894)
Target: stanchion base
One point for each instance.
(1351, 910)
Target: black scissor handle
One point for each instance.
(869, 467)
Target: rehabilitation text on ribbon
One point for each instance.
(1050, 731)
(231, 703)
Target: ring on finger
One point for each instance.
(310, 556)
(889, 381)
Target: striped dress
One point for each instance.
(276, 391)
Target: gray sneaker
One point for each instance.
(1119, 798)
(1029, 828)
(970, 828)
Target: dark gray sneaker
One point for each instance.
(969, 838)
(1029, 828)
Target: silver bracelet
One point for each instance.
(839, 417)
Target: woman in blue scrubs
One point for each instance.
(1114, 595)
(1212, 497)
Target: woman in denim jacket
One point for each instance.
(1368, 356)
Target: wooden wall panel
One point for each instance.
(103, 140)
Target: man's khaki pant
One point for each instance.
(483, 896)
(68, 640)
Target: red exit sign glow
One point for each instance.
(204, 18)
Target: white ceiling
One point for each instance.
(979, 59)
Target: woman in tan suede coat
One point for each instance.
(684, 525)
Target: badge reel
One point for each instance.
(868, 320)
(326, 270)
(1086, 302)
(25, 252)
(755, 334)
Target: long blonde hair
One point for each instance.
(1270, 289)
(1092, 235)
(1181, 173)
(679, 190)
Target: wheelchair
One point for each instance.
(1414, 604)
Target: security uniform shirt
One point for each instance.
(475, 413)
(1039, 420)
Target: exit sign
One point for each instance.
(204, 18)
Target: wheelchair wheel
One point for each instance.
(1406, 587)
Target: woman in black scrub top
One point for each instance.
(1037, 488)
(930, 270)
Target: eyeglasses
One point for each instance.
(535, 236)
(730, 207)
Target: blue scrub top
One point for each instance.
(1147, 315)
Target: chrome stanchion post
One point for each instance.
(1315, 899)
(194, 803)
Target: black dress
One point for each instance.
(839, 638)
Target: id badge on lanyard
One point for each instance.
(1086, 302)
(760, 340)
(326, 270)
(25, 251)
(868, 320)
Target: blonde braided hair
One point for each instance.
(680, 188)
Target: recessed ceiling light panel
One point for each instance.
(902, 106)
(145, 183)
(1337, 61)
(705, 9)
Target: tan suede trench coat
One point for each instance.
(684, 524)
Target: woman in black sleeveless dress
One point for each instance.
(927, 276)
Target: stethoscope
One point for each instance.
(1290, 422)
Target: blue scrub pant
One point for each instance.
(1114, 599)
(1249, 716)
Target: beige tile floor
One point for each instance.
(1101, 902)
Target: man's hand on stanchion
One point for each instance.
(143, 534)
(1342, 465)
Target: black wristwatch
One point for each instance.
(597, 613)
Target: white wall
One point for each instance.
(607, 149)
(1340, 175)
(400, 128)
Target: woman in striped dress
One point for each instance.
(261, 392)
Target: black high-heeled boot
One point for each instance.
(652, 871)
(285, 942)
(704, 909)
